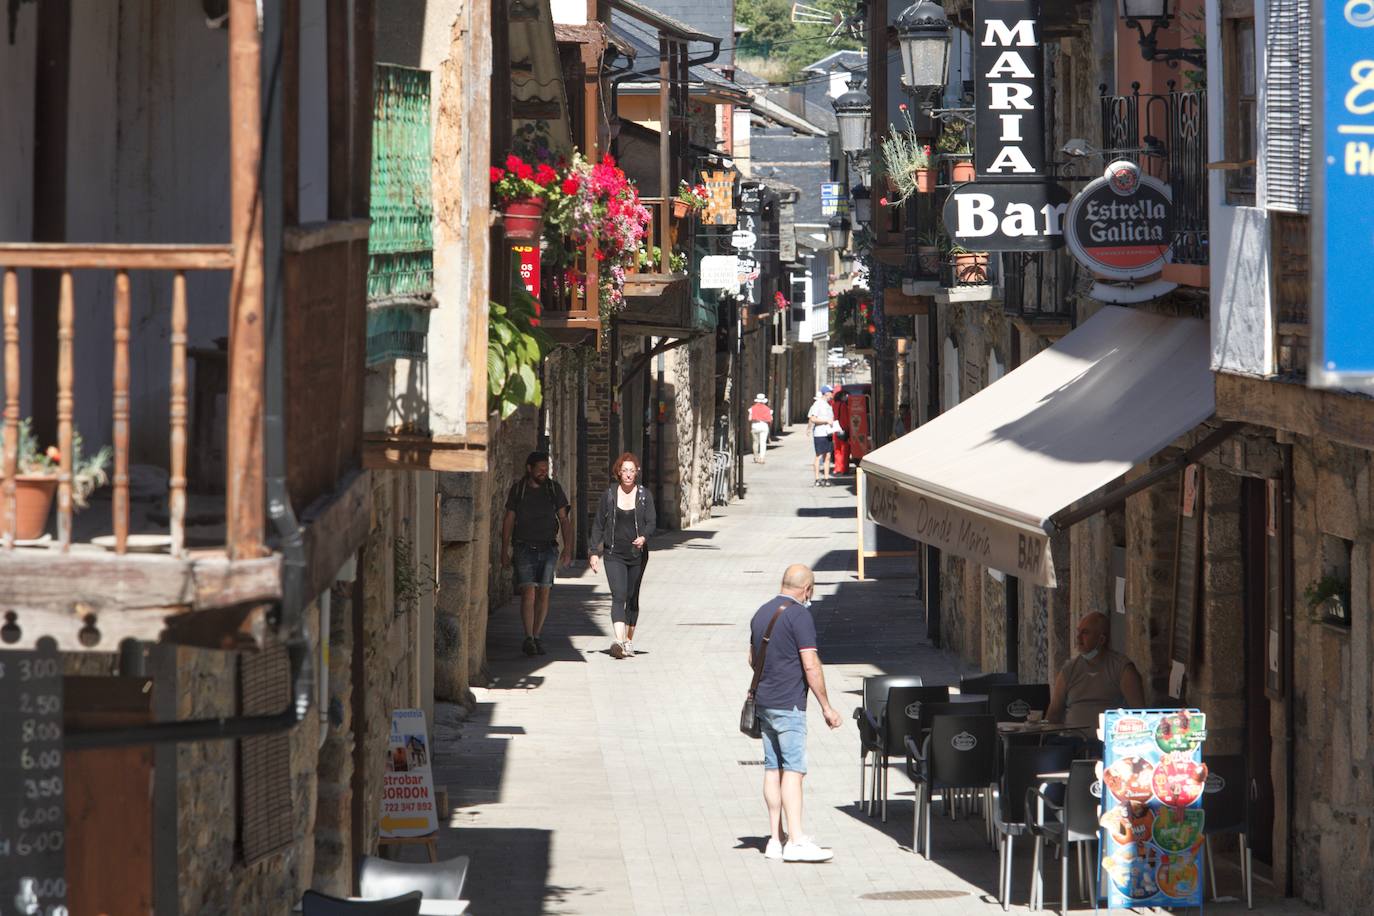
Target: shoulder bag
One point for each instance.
(749, 716)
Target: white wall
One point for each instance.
(569, 12)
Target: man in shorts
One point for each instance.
(791, 664)
(820, 422)
(536, 513)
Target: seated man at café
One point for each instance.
(1095, 680)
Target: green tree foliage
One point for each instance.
(773, 36)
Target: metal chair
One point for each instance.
(1226, 803)
(1020, 773)
(1013, 702)
(979, 683)
(869, 718)
(1073, 823)
(316, 904)
(959, 753)
(434, 880)
(900, 719)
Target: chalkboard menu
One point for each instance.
(32, 819)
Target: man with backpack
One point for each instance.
(536, 514)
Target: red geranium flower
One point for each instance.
(523, 170)
(571, 186)
(497, 174)
(871, 329)
(545, 175)
(513, 163)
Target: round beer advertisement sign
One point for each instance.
(1119, 226)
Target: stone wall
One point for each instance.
(690, 377)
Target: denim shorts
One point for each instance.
(535, 565)
(784, 739)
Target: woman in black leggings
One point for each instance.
(621, 528)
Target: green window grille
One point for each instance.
(400, 275)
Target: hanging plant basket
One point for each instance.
(681, 208)
(34, 493)
(524, 219)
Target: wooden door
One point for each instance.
(1262, 534)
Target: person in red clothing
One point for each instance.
(760, 422)
(842, 438)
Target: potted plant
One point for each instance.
(954, 143)
(1328, 599)
(930, 245)
(907, 162)
(521, 191)
(36, 482)
(690, 198)
(970, 267)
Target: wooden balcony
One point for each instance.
(658, 302)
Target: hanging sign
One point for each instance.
(1007, 215)
(32, 812)
(1119, 225)
(720, 206)
(408, 804)
(1009, 95)
(719, 271)
(527, 256)
(743, 238)
(830, 198)
(1342, 350)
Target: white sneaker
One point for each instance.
(804, 849)
(617, 650)
(629, 649)
(774, 849)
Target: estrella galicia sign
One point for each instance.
(1119, 226)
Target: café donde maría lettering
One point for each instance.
(1119, 226)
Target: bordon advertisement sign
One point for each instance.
(1119, 225)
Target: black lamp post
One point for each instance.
(1156, 13)
(863, 205)
(854, 111)
(923, 32)
(838, 230)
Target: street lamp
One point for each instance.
(854, 111)
(923, 32)
(1156, 13)
(863, 205)
(838, 229)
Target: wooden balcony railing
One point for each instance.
(120, 260)
(663, 232)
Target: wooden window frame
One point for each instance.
(1241, 180)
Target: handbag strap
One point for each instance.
(763, 649)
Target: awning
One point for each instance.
(984, 480)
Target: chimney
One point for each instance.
(796, 101)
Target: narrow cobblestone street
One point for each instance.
(586, 784)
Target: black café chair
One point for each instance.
(869, 718)
(434, 880)
(316, 904)
(979, 683)
(1012, 702)
(1072, 823)
(901, 718)
(1020, 774)
(1226, 801)
(960, 752)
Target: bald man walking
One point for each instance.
(791, 665)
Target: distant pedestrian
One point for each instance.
(783, 632)
(820, 421)
(536, 514)
(621, 528)
(760, 424)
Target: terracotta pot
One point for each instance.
(35, 493)
(925, 181)
(681, 208)
(961, 171)
(928, 257)
(524, 219)
(971, 267)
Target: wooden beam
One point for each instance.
(335, 527)
(310, 236)
(245, 491)
(116, 256)
(364, 40)
(419, 453)
(478, 127)
(1292, 406)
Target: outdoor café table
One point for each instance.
(427, 907)
(1009, 730)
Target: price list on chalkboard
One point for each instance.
(32, 820)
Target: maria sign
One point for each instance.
(1009, 95)
(1119, 226)
(1342, 218)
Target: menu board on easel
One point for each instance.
(32, 814)
(1152, 784)
(1187, 577)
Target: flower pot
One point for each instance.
(681, 208)
(961, 171)
(925, 181)
(524, 219)
(34, 494)
(971, 267)
(928, 259)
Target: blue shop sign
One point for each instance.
(1343, 224)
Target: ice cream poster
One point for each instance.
(1152, 817)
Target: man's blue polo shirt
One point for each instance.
(783, 684)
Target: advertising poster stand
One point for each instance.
(1153, 779)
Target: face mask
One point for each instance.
(1091, 655)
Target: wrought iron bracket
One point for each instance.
(1149, 46)
(952, 115)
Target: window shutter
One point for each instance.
(266, 808)
(1288, 105)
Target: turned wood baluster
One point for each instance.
(65, 332)
(176, 498)
(121, 411)
(11, 306)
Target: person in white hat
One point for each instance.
(760, 422)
